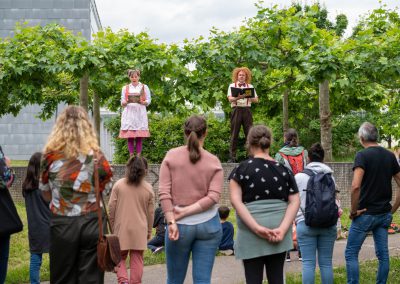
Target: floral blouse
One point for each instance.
(71, 182)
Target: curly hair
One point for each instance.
(72, 134)
(236, 71)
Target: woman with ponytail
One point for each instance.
(191, 181)
(265, 196)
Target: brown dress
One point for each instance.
(132, 213)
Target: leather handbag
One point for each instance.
(108, 249)
(10, 221)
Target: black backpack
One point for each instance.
(321, 210)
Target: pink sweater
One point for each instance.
(183, 183)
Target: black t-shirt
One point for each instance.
(379, 167)
(262, 179)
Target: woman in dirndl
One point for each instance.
(135, 97)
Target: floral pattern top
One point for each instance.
(71, 182)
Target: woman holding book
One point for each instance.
(241, 111)
(135, 97)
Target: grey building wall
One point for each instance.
(72, 14)
(25, 134)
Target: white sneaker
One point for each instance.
(226, 252)
(157, 250)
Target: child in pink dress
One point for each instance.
(135, 97)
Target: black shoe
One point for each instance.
(288, 256)
(300, 258)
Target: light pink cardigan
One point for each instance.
(183, 183)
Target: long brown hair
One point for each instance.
(291, 137)
(31, 181)
(136, 170)
(195, 128)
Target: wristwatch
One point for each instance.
(171, 222)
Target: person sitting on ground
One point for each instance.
(156, 244)
(226, 245)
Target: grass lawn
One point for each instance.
(368, 271)
(18, 266)
(19, 163)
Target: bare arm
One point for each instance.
(355, 193)
(397, 201)
(46, 195)
(234, 99)
(254, 100)
(244, 214)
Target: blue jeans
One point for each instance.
(4, 251)
(34, 268)
(359, 228)
(313, 242)
(202, 240)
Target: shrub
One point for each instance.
(167, 132)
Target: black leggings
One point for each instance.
(254, 268)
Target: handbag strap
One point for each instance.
(99, 197)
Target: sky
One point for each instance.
(172, 21)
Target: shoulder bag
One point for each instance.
(108, 249)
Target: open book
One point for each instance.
(248, 92)
(133, 98)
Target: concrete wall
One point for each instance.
(342, 172)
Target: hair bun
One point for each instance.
(264, 141)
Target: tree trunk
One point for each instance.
(96, 114)
(285, 111)
(84, 90)
(325, 120)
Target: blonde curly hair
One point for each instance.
(73, 134)
(236, 71)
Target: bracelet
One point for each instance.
(171, 222)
